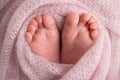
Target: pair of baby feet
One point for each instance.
(78, 35)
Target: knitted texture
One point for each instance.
(17, 62)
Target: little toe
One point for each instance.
(72, 19)
(28, 37)
(94, 34)
(84, 18)
(49, 22)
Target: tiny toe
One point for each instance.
(84, 18)
(31, 29)
(72, 19)
(94, 35)
(39, 20)
(92, 20)
(33, 22)
(93, 26)
(28, 37)
(49, 22)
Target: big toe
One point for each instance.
(72, 19)
(49, 22)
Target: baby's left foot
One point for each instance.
(79, 34)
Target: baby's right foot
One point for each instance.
(43, 37)
(79, 34)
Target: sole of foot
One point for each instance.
(79, 34)
(43, 37)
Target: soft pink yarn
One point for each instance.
(17, 62)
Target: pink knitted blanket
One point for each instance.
(17, 62)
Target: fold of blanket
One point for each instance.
(17, 62)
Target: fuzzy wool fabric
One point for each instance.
(17, 62)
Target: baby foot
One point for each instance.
(42, 36)
(79, 34)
